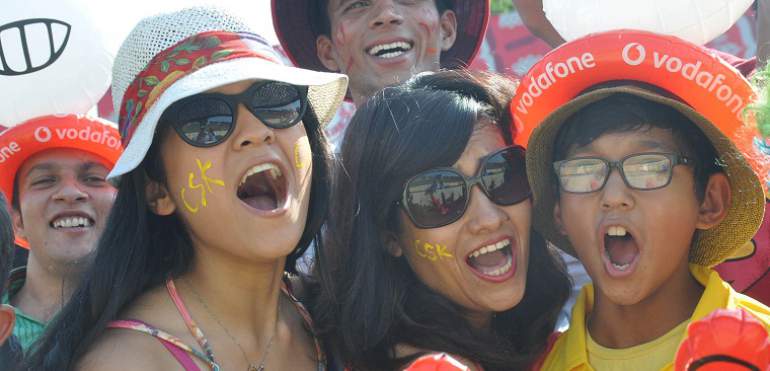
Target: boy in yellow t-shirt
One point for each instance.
(649, 194)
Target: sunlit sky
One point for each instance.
(123, 15)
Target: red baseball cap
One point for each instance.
(17, 144)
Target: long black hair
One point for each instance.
(369, 301)
(140, 250)
(10, 350)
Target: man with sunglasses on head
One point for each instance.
(53, 170)
(380, 42)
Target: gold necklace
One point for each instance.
(252, 367)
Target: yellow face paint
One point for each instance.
(299, 162)
(204, 185)
(432, 251)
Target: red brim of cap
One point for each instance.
(294, 19)
(19, 143)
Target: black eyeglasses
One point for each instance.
(641, 171)
(438, 197)
(205, 120)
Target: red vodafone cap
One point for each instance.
(17, 144)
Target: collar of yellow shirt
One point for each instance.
(569, 351)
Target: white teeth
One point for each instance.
(71, 222)
(490, 248)
(391, 54)
(275, 172)
(616, 230)
(621, 267)
(502, 270)
(403, 45)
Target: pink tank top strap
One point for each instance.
(178, 349)
(188, 321)
(286, 287)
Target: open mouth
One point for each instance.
(263, 187)
(494, 261)
(71, 222)
(621, 249)
(390, 50)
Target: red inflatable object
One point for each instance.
(725, 340)
(17, 144)
(694, 74)
(437, 362)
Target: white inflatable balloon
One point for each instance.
(697, 21)
(53, 59)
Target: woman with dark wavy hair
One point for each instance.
(429, 247)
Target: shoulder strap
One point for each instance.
(188, 321)
(178, 349)
(286, 287)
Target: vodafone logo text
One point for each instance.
(554, 72)
(44, 134)
(635, 54)
(8, 151)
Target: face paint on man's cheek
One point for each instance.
(198, 183)
(340, 36)
(432, 251)
(340, 39)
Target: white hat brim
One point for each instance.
(325, 93)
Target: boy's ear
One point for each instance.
(7, 319)
(326, 52)
(448, 22)
(557, 219)
(716, 201)
(158, 198)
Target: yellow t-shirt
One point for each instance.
(570, 351)
(653, 355)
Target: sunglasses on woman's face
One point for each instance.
(207, 119)
(438, 197)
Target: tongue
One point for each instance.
(261, 202)
(489, 260)
(621, 250)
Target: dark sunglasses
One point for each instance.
(205, 120)
(641, 171)
(438, 197)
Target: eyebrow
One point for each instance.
(653, 144)
(90, 165)
(48, 166)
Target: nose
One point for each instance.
(387, 13)
(616, 194)
(484, 215)
(70, 190)
(250, 130)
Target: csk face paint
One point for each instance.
(432, 251)
(200, 182)
(301, 149)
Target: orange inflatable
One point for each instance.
(696, 76)
(437, 362)
(17, 144)
(725, 340)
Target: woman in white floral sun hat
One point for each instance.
(221, 187)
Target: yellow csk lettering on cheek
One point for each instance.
(298, 161)
(203, 185)
(432, 251)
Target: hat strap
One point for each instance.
(181, 59)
